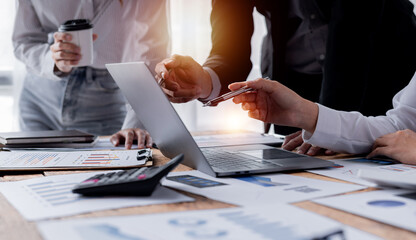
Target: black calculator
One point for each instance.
(133, 182)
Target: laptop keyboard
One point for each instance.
(228, 161)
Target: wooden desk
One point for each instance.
(14, 226)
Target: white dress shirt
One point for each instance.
(128, 30)
(352, 132)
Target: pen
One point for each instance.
(163, 78)
(224, 97)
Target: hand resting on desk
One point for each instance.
(399, 145)
(129, 135)
(295, 140)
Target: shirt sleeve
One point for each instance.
(352, 132)
(30, 42)
(231, 43)
(156, 37)
(216, 85)
(131, 120)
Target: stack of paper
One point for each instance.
(276, 221)
(256, 189)
(49, 197)
(394, 207)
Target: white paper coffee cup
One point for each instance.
(81, 32)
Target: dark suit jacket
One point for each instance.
(370, 56)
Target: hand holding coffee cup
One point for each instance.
(73, 45)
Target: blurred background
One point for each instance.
(190, 34)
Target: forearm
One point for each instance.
(349, 132)
(131, 120)
(37, 59)
(354, 133)
(306, 115)
(31, 43)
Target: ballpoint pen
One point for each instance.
(163, 78)
(224, 97)
(214, 102)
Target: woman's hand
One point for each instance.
(272, 102)
(65, 54)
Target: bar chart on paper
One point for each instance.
(51, 196)
(242, 223)
(38, 159)
(99, 158)
(54, 193)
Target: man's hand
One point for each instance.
(400, 146)
(129, 135)
(184, 79)
(295, 140)
(274, 103)
(65, 54)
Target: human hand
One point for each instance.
(399, 146)
(129, 135)
(274, 103)
(65, 54)
(295, 140)
(184, 79)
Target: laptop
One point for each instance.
(171, 136)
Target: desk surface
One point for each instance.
(14, 226)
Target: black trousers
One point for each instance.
(307, 86)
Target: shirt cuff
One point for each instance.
(49, 67)
(327, 131)
(216, 85)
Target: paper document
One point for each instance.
(275, 221)
(347, 169)
(232, 139)
(396, 175)
(252, 190)
(79, 159)
(49, 197)
(394, 207)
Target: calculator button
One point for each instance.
(130, 171)
(102, 180)
(88, 182)
(91, 180)
(137, 173)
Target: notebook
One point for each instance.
(165, 126)
(36, 138)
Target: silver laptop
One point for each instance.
(165, 126)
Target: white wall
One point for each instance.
(191, 35)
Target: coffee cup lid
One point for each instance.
(75, 25)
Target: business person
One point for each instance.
(392, 134)
(344, 54)
(56, 94)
